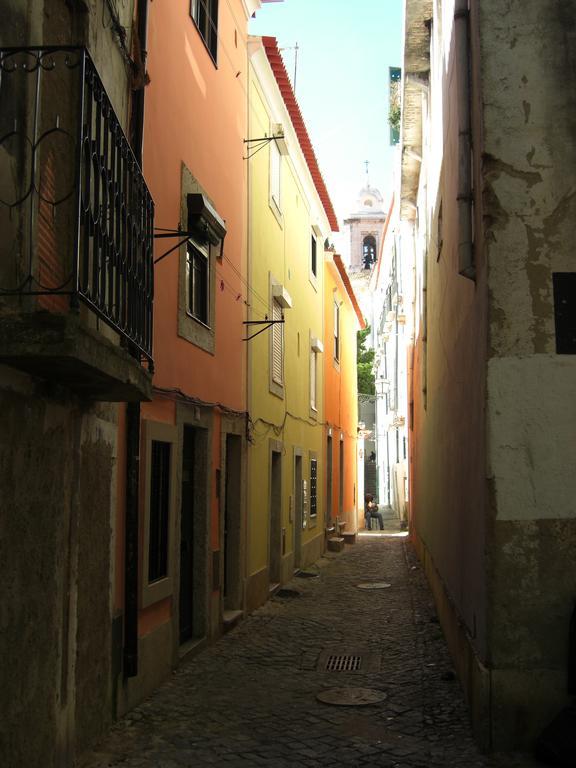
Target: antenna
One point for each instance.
(294, 48)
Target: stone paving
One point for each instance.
(250, 700)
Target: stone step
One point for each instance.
(349, 537)
(230, 619)
(335, 544)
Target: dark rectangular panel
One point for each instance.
(565, 312)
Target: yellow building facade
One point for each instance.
(289, 218)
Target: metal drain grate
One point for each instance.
(343, 663)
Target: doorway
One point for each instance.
(275, 545)
(186, 628)
(328, 479)
(232, 580)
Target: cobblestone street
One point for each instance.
(250, 700)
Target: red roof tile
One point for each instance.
(271, 47)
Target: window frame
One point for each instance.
(208, 26)
(275, 177)
(313, 488)
(277, 334)
(336, 350)
(314, 256)
(201, 254)
(163, 586)
(313, 381)
(194, 330)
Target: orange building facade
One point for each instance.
(180, 524)
(342, 319)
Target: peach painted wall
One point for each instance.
(341, 391)
(196, 115)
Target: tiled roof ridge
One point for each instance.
(272, 52)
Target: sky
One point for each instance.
(344, 51)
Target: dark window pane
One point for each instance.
(159, 511)
(313, 255)
(564, 285)
(197, 275)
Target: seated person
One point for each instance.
(371, 512)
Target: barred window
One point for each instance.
(313, 487)
(159, 510)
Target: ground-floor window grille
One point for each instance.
(159, 510)
(313, 487)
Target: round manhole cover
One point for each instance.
(374, 585)
(351, 697)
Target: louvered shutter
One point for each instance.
(277, 345)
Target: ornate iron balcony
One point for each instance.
(76, 216)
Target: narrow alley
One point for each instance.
(251, 699)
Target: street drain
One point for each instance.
(374, 585)
(343, 663)
(351, 697)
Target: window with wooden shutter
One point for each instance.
(336, 331)
(313, 377)
(277, 344)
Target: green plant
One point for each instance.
(364, 364)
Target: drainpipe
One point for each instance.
(466, 265)
(132, 514)
(138, 94)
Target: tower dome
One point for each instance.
(370, 201)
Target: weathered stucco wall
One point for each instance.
(448, 384)
(528, 53)
(56, 475)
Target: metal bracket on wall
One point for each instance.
(259, 144)
(161, 233)
(267, 323)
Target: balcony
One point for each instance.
(76, 224)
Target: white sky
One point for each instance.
(344, 51)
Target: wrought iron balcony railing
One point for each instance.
(76, 216)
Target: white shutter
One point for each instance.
(313, 379)
(277, 345)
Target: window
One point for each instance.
(313, 487)
(274, 174)
(159, 511)
(277, 344)
(336, 331)
(369, 251)
(198, 282)
(205, 15)
(313, 378)
(313, 257)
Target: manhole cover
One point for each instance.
(343, 663)
(374, 585)
(287, 593)
(350, 697)
(306, 575)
